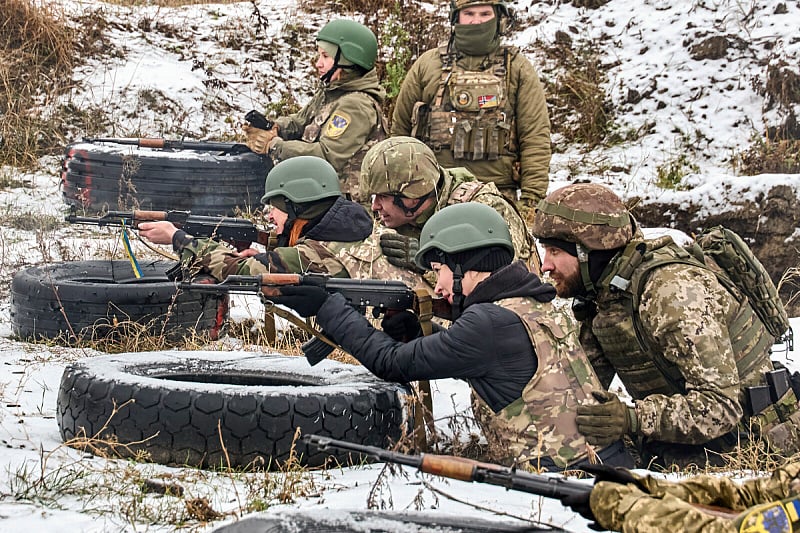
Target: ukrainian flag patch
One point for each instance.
(336, 125)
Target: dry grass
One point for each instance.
(769, 157)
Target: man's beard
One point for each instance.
(570, 286)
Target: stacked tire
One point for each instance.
(85, 300)
(97, 177)
(225, 409)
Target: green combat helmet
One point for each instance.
(301, 179)
(399, 166)
(586, 214)
(463, 227)
(357, 44)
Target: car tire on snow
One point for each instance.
(97, 177)
(82, 300)
(224, 409)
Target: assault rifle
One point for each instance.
(464, 469)
(382, 295)
(176, 144)
(255, 119)
(240, 232)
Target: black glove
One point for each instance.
(305, 299)
(402, 327)
(580, 502)
(400, 250)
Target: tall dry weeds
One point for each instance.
(38, 48)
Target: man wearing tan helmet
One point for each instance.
(408, 186)
(685, 346)
(479, 104)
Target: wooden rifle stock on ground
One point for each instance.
(382, 295)
(240, 232)
(464, 469)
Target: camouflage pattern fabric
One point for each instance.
(461, 186)
(339, 124)
(541, 423)
(686, 388)
(357, 260)
(667, 505)
(525, 109)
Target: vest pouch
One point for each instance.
(478, 140)
(311, 133)
(440, 129)
(462, 139)
(474, 91)
(785, 437)
(419, 119)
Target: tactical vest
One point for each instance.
(618, 329)
(471, 119)
(349, 175)
(541, 423)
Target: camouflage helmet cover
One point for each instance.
(584, 213)
(463, 227)
(302, 179)
(501, 8)
(399, 166)
(357, 42)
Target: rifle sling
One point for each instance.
(300, 323)
(423, 304)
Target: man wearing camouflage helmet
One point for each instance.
(519, 353)
(408, 186)
(344, 117)
(319, 231)
(479, 104)
(683, 345)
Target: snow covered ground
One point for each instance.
(709, 109)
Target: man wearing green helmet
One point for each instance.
(519, 353)
(344, 117)
(316, 227)
(479, 104)
(408, 186)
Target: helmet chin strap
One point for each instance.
(410, 211)
(326, 78)
(458, 276)
(583, 262)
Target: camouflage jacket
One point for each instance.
(683, 360)
(340, 123)
(460, 186)
(344, 225)
(525, 110)
(667, 505)
(541, 422)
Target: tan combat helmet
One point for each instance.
(586, 214)
(399, 166)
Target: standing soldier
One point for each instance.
(344, 117)
(408, 186)
(479, 104)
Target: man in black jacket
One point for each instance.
(519, 353)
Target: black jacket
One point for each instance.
(487, 345)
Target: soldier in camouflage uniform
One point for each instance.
(409, 186)
(519, 353)
(319, 231)
(344, 117)
(644, 504)
(479, 104)
(682, 344)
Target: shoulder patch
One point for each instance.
(337, 125)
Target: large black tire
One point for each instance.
(95, 299)
(334, 520)
(96, 177)
(184, 403)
